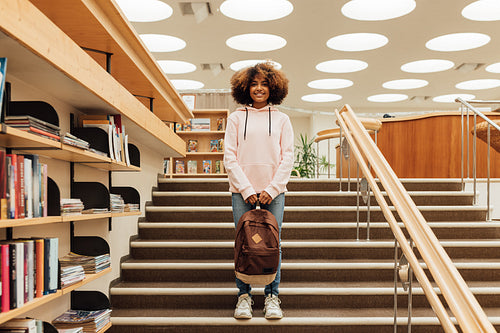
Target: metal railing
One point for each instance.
(462, 303)
(466, 107)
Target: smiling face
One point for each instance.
(259, 91)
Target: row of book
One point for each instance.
(216, 146)
(113, 126)
(28, 270)
(90, 264)
(35, 126)
(201, 124)
(75, 206)
(23, 186)
(22, 325)
(191, 167)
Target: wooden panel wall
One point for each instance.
(430, 147)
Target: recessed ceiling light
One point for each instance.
(256, 42)
(321, 98)
(176, 67)
(187, 84)
(478, 84)
(405, 84)
(357, 42)
(162, 43)
(482, 10)
(427, 66)
(381, 98)
(236, 66)
(493, 68)
(145, 10)
(452, 97)
(341, 66)
(458, 42)
(377, 10)
(256, 10)
(330, 84)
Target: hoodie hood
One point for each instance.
(268, 108)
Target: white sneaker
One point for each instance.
(272, 308)
(244, 307)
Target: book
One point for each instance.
(11, 186)
(21, 196)
(192, 145)
(214, 146)
(3, 73)
(21, 323)
(221, 124)
(192, 167)
(179, 166)
(220, 145)
(207, 166)
(219, 166)
(40, 266)
(3, 185)
(28, 188)
(200, 124)
(53, 275)
(166, 166)
(5, 277)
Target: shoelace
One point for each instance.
(246, 299)
(273, 302)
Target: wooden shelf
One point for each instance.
(204, 153)
(203, 175)
(66, 71)
(9, 223)
(125, 214)
(200, 132)
(31, 305)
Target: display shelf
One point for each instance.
(200, 175)
(31, 305)
(195, 133)
(9, 223)
(66, 71)
(204, 153)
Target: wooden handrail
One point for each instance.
(469, 314)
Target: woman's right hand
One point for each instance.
(252, 199)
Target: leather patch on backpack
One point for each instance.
(256, 238)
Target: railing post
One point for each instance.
(395, 285)
(357, 202)
(488, 217)
(317, 159)
(474, 160)
(340, 159)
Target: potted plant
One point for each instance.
(305, 157)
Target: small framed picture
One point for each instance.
(190, 100)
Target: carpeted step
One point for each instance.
(312, 213)
(311, 271)
(311, 198)
(306, 249)
(312, 230)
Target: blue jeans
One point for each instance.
(276, 207)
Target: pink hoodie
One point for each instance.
(260, 157)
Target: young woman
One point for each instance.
(259, 158)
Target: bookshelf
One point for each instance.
(80, 81)
(203, 139)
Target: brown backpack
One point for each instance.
(256, 247)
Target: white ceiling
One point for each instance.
(307, 29)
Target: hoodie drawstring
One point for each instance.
(246, 121)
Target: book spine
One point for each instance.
(20, 173)
(5, 269)
(44, 133)
(20, 274)
(46, 255)
(53, 264)
(39, 272)
(13, 275)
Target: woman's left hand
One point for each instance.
(265, 198)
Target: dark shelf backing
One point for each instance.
(134, 155)
(49, 328)
(95, 136)
(129, 194)
(92, 194)
(89, 245)
(36, 109)
(89, 300)
(53, 198)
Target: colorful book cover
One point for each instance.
(220, 145)
(219, 166)
(221, 124)
(178, 127)
(5, 269)
(207, 166)
(192, 145)
(179, 166)
(214, 144)
(192, 167)
(3, 72)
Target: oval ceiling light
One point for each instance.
(162, 43)
(458, 42)
(236, 66)
(405, 84)
(482, 10)
(493, 68)
(321, 98)
(357, 42)
(330, 84)
(187, 84)
(176, 67)
(387, 98)
(256, 42)
(145, 10)
(451, 98)
(427, 66)
(341, 66)
(377, 10)
(478, 84)
(256, 10)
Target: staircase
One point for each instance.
(180, 278)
